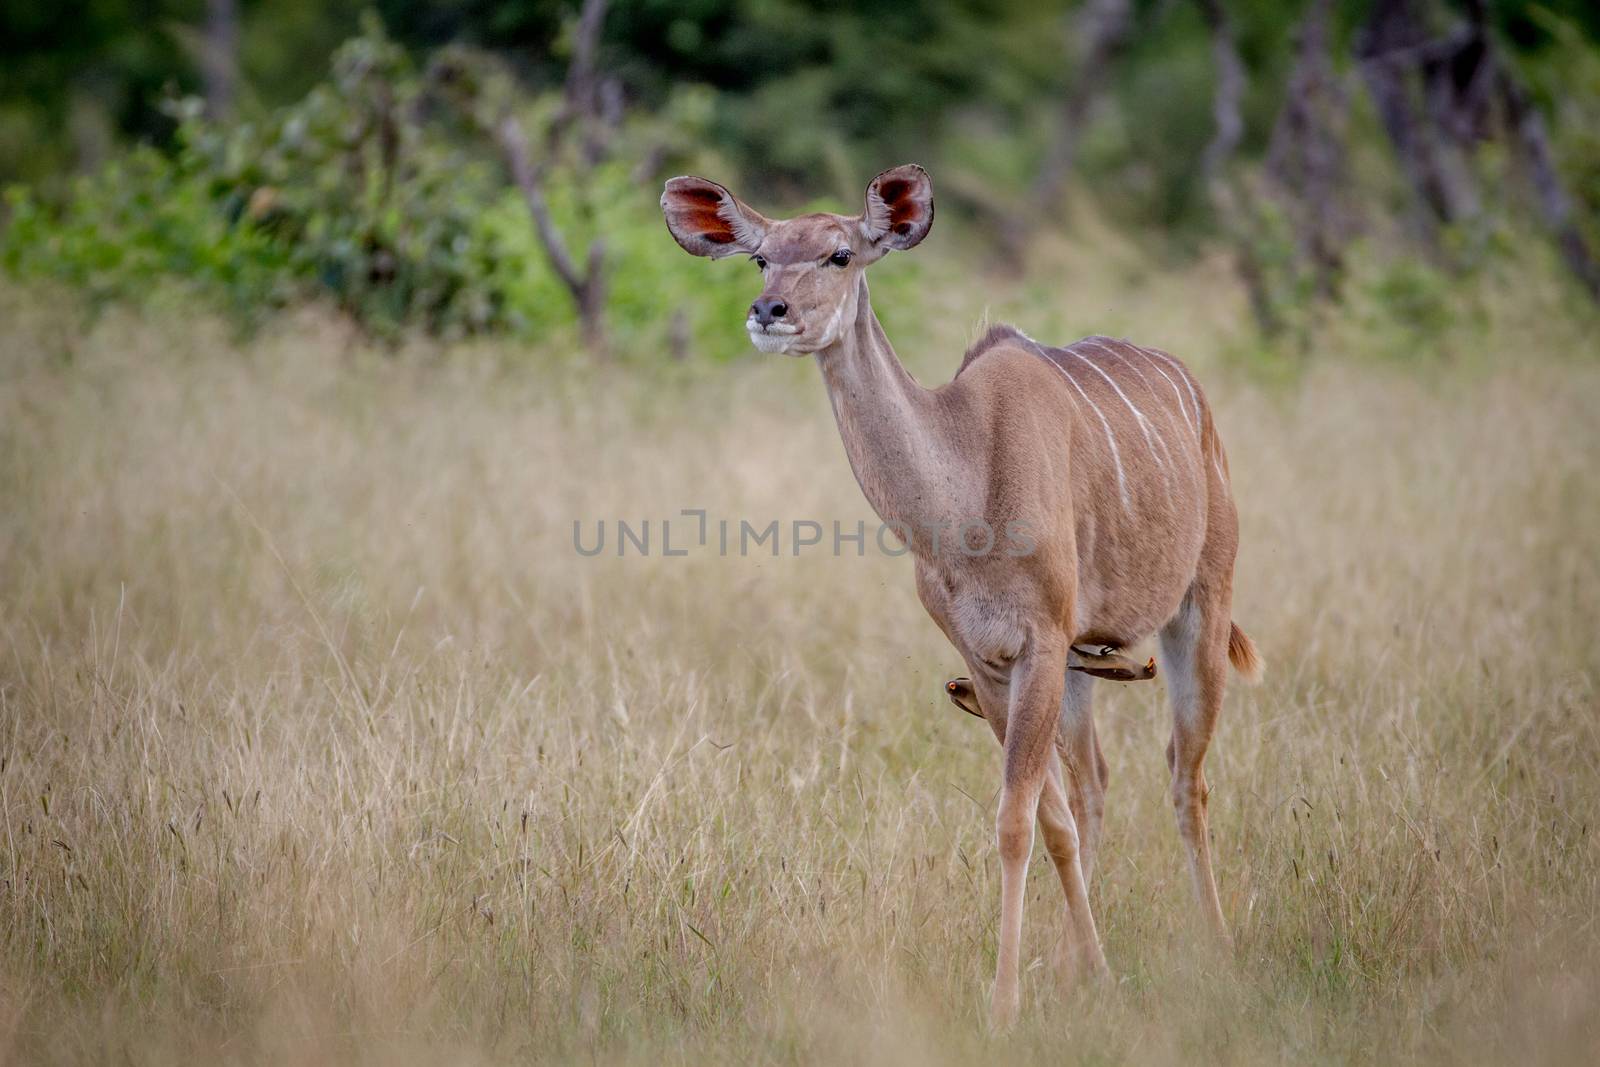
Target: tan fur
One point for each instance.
(1103, 451)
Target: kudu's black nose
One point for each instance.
(768, 309)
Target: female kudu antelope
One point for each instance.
(1103, 452)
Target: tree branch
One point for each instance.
(1225, 108)
(219, 58)
(1101, 32)
(1305, 158)
(587, 288)
(1229, 96)
(1533, 145)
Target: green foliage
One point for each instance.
(1146, 151)
(365, 194)
(375, 189)
(803, 90)
(1568, 75)
(141, 220)
(363, 201)
(1417, 303)
(649, 279)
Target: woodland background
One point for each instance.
(475, 167)
(321, 325)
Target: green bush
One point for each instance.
(371, 193)
(369, 202)
(141, 219)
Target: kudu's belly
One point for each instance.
(1134, 570)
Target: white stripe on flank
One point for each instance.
(1122, 481)
(1146, 381)
(1187, 383)
(1175, 390)
(1144, 423)
(1182, 418)
(1222, 478)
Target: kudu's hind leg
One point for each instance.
(1195, 647)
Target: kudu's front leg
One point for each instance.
(1029, 736)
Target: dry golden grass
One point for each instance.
(321, 744)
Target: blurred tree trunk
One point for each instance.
(1093, 40)
(1533, 147)
(1494, 80)
(591, 102)
(591, 107)
(583, 107)
(1392, 49)
(1306, 156)
(1465, 87)
(1099, 34)
(1229, 94)
(1231, 205)
(89, 126)
(219, 58)
(588, 285)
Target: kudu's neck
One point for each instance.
(889, 424)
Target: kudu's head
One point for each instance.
(809, 264)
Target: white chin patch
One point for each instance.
(776, 338)
(772, 342)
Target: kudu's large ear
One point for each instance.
(707, 220)
(899, 208)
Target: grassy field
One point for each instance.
(320, 743)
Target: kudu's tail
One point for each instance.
(1244, 657)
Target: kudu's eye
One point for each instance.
(760, 261)
(841, 258)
